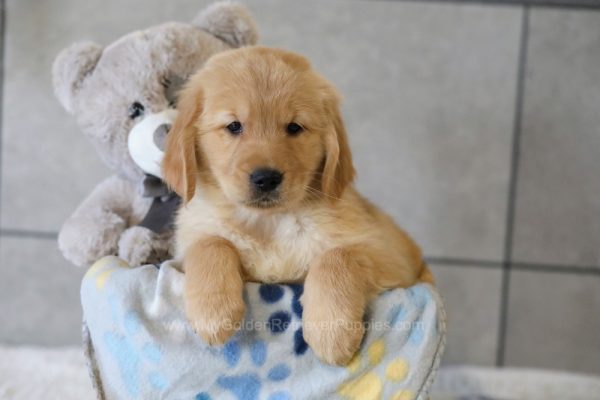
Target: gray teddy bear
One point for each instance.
(123, 98)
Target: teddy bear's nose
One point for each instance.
(160, 135)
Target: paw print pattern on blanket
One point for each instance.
(103, 269)
(279, 321)
(369, 385)
(266, 358)
(419, 296)
(131, 360)
(249, 385)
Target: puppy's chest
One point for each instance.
(278, 249)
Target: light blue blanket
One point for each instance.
(141, 347)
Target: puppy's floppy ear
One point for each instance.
(180, 165)
(338, 171)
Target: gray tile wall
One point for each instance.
(475, 124)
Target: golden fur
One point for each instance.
(318, 228)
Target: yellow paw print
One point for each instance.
(369, 385)
(103, 269)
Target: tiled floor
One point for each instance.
(476, 125)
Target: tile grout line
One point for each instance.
(25, 233)
(512, 189)
(2, 40)
(559, 269)
(515, 266)
(442, 261)
(563, 5)
(463, 262)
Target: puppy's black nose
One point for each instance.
(266, 179)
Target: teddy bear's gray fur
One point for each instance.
(98, 86)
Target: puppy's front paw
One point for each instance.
(213, 289)
(215, 317)
(334, 338)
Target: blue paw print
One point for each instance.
(132, 357)
(248, 385)
(419, 296)
(279, 321)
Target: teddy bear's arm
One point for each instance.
(94, 229)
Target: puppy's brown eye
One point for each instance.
(293, 128)
(235, 128)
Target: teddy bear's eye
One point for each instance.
(136, 110)
(235, 128)
(293, 128)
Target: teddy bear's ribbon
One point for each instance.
(161, 215)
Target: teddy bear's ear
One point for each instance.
(230, 22)
(71, 67)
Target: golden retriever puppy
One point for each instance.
(260, 156)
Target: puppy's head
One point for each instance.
(261, 129)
